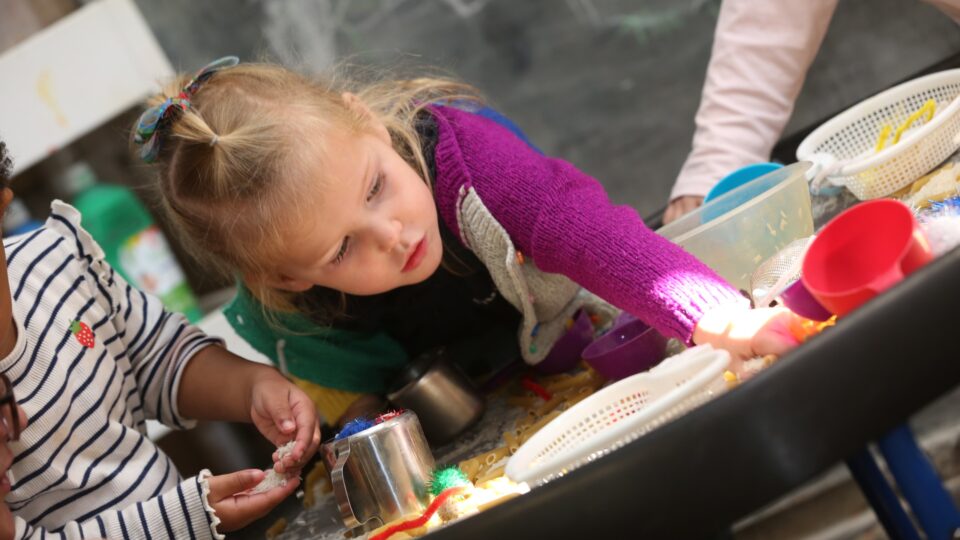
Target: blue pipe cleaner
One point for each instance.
(353, 427)
(949, 206)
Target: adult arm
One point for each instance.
(762, 50)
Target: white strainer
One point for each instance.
(845, 146)
(778, 272)
(620, 413)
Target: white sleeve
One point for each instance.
(762, 50)
(182, 512)
(159, 345)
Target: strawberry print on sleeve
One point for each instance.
(83, 333)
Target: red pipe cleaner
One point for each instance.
(424, 517)
(530, 385)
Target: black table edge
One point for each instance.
(820, 403)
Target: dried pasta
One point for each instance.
(576, 380)
(493, 456)
(548, 406)
(512, 442)
(536, 427)
(495, 472)
(471, 467)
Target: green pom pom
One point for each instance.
(446, 478)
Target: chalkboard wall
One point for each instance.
(610, 85)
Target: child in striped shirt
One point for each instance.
(91, 359)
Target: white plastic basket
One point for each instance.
(848, 141)
(620, 413)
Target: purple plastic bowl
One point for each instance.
(630, 347)
(798, 299)
(567, 350)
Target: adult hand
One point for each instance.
(748, 333)
(282, 412)
(680, 206)
(235, 507)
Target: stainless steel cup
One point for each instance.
(443, 397)
(380, 474)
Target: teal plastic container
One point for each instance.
(131, 240)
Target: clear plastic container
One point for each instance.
(736, 232)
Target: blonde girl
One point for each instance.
(375, 222)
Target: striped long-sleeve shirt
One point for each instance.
(94, 359)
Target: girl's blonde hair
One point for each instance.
(230, 165)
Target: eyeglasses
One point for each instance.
(9, 413)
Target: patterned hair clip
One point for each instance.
(154, 118)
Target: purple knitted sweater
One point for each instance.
(562, 219)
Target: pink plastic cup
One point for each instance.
(862, 252)
(630, 347)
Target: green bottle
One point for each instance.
(131, 241)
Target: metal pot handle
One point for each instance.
(342, 448)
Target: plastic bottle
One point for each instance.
(17, 219)
(131, 241)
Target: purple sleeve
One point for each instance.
(562, 219)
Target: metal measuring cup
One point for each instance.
(380, 474)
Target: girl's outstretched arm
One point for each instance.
(563, 221)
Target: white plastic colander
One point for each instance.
(620, 413)
(845, 146)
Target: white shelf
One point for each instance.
(75, 75)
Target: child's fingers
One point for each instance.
(314, 441)
(308, 439)
(225, 485)
(238, 510)
(258, 504)
(279, 410)
(777, 338)
(307, 429)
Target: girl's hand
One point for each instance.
(234, 507)
(748, 333)
(282, 412)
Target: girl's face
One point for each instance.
(371, 225)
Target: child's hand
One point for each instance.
(282, 412)
(747, 333)
(234, 507)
